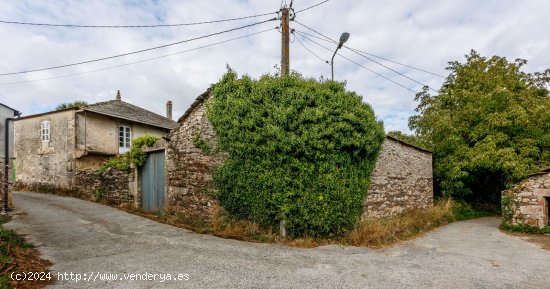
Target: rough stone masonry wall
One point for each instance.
(525, 202)
(112, 186)
(402, 180)
(2, 182)
(189, 170)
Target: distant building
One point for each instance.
(6, 112)
(528, 201)
(53, 147)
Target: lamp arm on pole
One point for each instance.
(332, 63)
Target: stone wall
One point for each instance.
(527, 202)
(188, 168)
(112, 187)
(2, 182)
(402, 180)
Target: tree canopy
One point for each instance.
(78, 103)
(297, 148)
(488, 126)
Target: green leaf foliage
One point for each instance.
(202, 144)
(78, 103)
(135, 156)
(488, 126)
(296, 147)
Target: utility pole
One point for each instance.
(285, 69)
(285, 41)
(6, 166)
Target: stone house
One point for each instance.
(527, 202)
(6, 144)
(61, 150)
(402, 178)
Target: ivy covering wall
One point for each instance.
(298, 148)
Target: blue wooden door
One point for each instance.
(152, 183)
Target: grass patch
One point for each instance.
(18, 255)
(464, 211)
(220, 226)
(524, 228)
(375, 233)
(387, 231)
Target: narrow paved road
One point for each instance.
(85, 238)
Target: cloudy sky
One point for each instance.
(420, 33)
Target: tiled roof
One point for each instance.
(198, 101)
(15, 111)
(130, 112)
(408, 144)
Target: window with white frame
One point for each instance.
(124, 138)
(45, 131)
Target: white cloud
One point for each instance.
(426, 34)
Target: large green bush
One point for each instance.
(297, 148)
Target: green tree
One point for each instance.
(488, 126)
(78, 103)
(296, 147)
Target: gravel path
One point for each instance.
(90, 239)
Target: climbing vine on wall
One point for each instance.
(135, 156)
(298, 148)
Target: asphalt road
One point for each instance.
(92, 240)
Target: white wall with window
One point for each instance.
(45, 131)
(124, 139)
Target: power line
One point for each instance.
(311, 6)
(135, 26)
(310, 51)
(328, 39)
(140, 61)
(358, 64)
(139, 51)
(373, 55)
(392, 61)
(385, 66)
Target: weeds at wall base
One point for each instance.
(374, 233)
(221, 226)
(17, 255)
(524, 228)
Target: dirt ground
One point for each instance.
(541, 240)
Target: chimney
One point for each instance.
(118, 95)
(169, 109)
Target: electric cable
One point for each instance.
(139, 51)
(135, 26)
(381, 64)
(313, 6)
(310, 51)
(358, 64)
(141, 61)
(328, 39)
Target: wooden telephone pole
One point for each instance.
(285, 41)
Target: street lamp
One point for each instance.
(343, 38)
